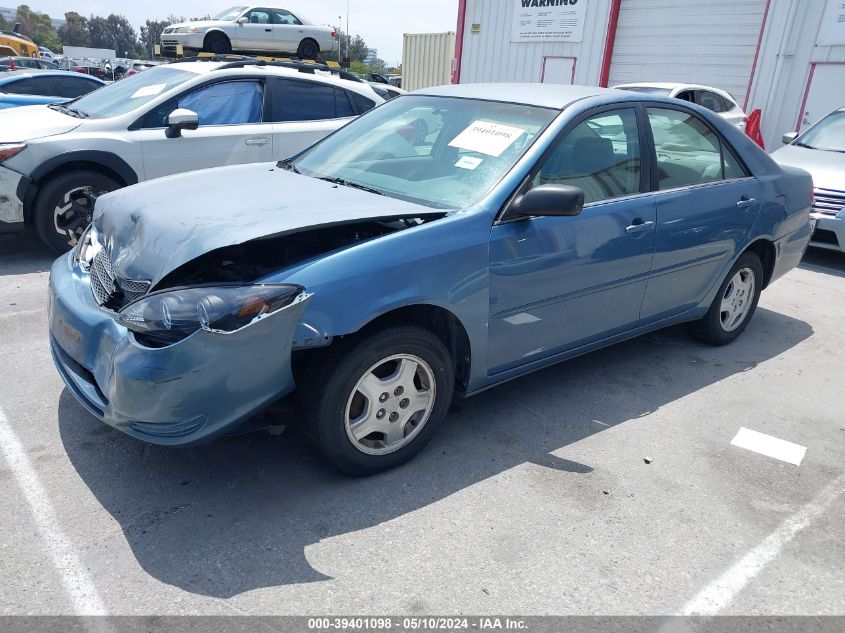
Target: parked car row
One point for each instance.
(30, 87)
(169, 119)
(375, 275)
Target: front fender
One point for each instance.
(442, 263)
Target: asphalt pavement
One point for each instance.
(604, 485)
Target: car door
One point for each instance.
(304, 112)
(706, 202)
(557, 283)
(288, 31)
(231, 130)
(256, 34)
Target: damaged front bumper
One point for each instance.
(199, 388)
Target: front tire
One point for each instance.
(217, 43)
(734, 304)
(375, 403)
(62, 209)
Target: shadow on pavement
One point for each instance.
(237, 514)
(22, 253)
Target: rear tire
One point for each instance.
(375, 402)
(217, 43)
(62, 212)
(734, 304)
(308, 49)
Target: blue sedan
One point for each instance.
(36, 87)
(444, 243)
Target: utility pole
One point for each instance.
(348, 34)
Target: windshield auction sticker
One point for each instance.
(487, 137)
(148, 91)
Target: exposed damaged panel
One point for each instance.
(254, 259)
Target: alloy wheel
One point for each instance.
(737, 299)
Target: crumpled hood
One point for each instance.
(826, 168)
(156, 226)
(27, 123)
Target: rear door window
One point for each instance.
(41, 86)
(72, 87)
(309, 101)
(689, 152)
(710, 100)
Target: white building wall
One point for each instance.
(788, 50)
(490, 56)
(710, 42)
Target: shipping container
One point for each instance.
(427, 59)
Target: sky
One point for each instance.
(380, 22)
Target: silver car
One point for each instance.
(252, 29)
(821, 151)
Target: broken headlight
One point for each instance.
(166, 317)
(87, 247)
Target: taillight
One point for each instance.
(334, 35)
(812, 196)
(11, 64)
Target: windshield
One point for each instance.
(229, 14)
(131, 93)
(435, 151)
(661, 92)
(828, 134)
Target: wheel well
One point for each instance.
(216, 34)
(309, 39)
(33, 192)
(765, 250)
(438, 320)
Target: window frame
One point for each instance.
(140, 123)
(646, 152)
(723, 144)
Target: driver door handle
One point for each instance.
(639, 227)
(257, 141)
(746, 202)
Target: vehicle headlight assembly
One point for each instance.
(8, 150)
(87, 247)
(169, 316)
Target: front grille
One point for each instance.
(109, 290)
(169, 43)
(829, 201)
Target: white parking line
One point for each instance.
(721, 592)
(75, 578)
(769, 446)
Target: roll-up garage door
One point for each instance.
(688, 41)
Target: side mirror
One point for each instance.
(242, 20)
(181, 119)
(551, 200)
(789, 137)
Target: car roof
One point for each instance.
(544, 95)
(207, 67)
(38, 72)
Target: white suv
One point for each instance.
(169, 119)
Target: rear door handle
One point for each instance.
(269, 30)
(746, 202)
(639, 227)
(257, 141)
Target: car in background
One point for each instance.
(15, 63)
(139, 65)
(169, 119)
(34, 87)
(714, 99)
(821, 151)
(386, 91)
(252, 29)
(533, 225)
(95, 68)
(47, 54)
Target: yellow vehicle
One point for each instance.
(21, 44)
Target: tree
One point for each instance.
(114, 32)
(356, 47)
(150, 35)
(74, 32)
(37, 26)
